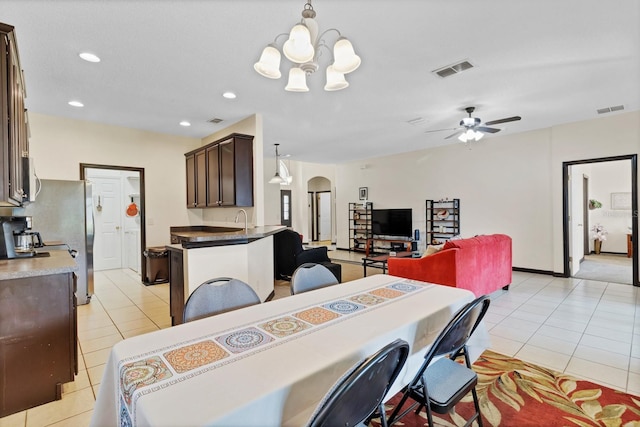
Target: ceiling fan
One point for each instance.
(472, 128)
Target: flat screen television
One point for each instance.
(391, 222)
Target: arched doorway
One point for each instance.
(320, 209)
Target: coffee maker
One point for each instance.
(18, 240)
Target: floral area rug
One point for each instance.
(514, 393)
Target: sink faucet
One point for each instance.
(245, 219)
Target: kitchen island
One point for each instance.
(38, 347)
(200, 253)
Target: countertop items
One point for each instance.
(203, 234)
(58, 261)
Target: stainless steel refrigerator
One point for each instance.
(63, 213)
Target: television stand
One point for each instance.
(371, 249)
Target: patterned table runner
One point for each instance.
(158, 369)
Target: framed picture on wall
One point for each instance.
(363, 193)
(621, 201)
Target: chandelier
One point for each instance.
(304, 48)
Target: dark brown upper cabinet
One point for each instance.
(221, 173)
(14, 141)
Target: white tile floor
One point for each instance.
(584, 328)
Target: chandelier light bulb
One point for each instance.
(346, 59)
(269, 63)
(297, 81)
(298, 48)
(335, 80)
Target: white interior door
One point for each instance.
(108, 208)
(324, 216)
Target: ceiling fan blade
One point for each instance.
(508, 119)
(454, 134)
(439, 130)
(487, 130)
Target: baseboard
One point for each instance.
(533, 270)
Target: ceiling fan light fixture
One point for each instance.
(269, 63)
(297, 81)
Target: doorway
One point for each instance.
(119, 212)
(324, 216)
(285, 207)
(590, 200)
(320, 209)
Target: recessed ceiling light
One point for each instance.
(229, 95)
(89, 57)
(185, 123)
(76, 104)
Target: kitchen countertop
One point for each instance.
(59, 261)
(209, 235)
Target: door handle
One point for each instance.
(117, 227)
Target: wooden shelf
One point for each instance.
(439, 229)
(359, 226)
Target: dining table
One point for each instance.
(271, 364)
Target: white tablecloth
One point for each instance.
(160, 379)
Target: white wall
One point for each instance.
(502, 185)
(252, 125)
(59, 145)
(508, 184)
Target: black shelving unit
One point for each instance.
(359, 226)
(443, 220)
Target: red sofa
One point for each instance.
(481, 264)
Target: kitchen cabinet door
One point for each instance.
(13, 135)
(236, 164)
(201, 179)
(226, 175)
(191, 180)
(213, 176)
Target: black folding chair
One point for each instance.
(440, 385)
(358, 396)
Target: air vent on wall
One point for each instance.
(450, 70)
(215, 120)
(610, 109)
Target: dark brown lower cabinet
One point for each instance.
(176, 285)
(38, 347)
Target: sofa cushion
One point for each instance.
(432, 249)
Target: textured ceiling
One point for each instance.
(550, 62)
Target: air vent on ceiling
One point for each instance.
(450, 70)
(215, 120)
(610, 109)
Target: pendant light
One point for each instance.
(277, 179)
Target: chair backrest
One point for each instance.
(359, 393)
(459, 329)
(217, 296)
(286, 245)
(310, 276)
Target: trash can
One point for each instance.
(157, 259)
